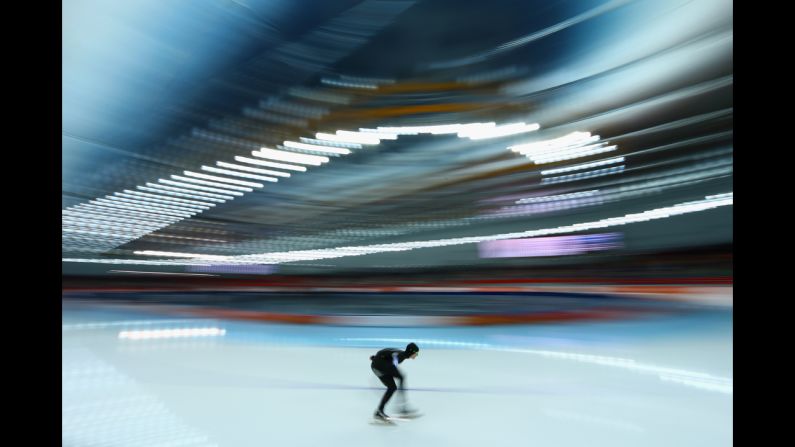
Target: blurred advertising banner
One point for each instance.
(240, 269)
(550, 246)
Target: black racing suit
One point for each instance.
(384, 366)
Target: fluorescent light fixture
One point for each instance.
(343, 136)
(108, 225)
(573, 195)
(583, 166)
(480, 133)
(574, 145)
(570, 153)
(181, 192)
(108, 205)
(224, 187)
(317, 148)
(117, 202)
(275, 154)
(223, 180)
(254, 170)
(136, 231)
(556, 144)
(165, 199)
(216, 187)
(102, 212)
(125, 229)
(270, 164)
(239, 174)
(89, 210)
(199, 188)
(330, 143)
(583, 175)
(88, 218)
(150, 203)
(98, 233)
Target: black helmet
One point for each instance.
(411, 348)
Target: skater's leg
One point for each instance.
(401, 393)
(404, 409)
(390, 389)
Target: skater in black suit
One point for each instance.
(384, 365)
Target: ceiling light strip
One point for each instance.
(91, 210)
(103, 220)
(349, 137)
(254, 170)
(108, 205)
(270, 164)
(480, 133)
(223, 180)
(583, 166)
(127, 229)
(330, 143)
(149, 203)
(164, 200)
(221, 187)
(181, 192)
(140, 208)
(89, 223)
(583, 175)
(317, 148)
(199, 188)
(275, 154)
(573, 195)
(239, 174)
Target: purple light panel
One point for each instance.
(549, 246)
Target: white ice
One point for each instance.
(652, 382)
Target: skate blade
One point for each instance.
(380, 422)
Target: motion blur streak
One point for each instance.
(276, 258)
(538, 194)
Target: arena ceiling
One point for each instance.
(389, 133)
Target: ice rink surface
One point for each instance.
(131, 379)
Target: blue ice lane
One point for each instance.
(562, 335)
(705, 322)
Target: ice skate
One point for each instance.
(379, 417)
